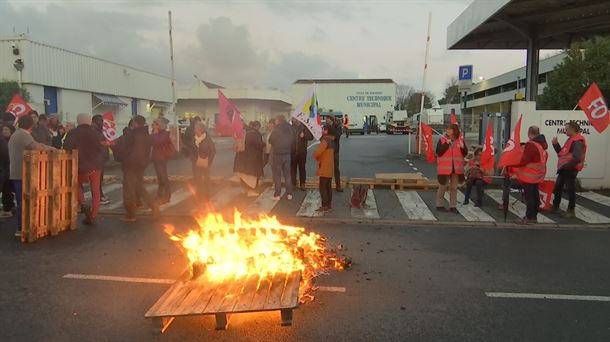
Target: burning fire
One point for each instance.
(219, 250)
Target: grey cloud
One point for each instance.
(293, 66)
(319, 9)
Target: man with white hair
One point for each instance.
(90, 146)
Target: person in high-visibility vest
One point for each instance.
(450, 150)
(571, 160)
(530, 173)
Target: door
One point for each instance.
(50, 100)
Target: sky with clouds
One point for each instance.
(262, 43)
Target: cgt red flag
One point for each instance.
(488, 156)
(546, 193)
(596, 108)
(229, 121)
(18, 107)
(512, 151)
(109, 127)
(428, 146)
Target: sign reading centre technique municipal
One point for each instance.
(465, 77)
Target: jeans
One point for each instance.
(17, 184)
(565, 178)
(326, 191)
(164, 192)
(94, 179)
(133, 190)
(8, 200)
(451, 186)
(532, 200)
(478, 184)
(297, 163)
(337, 172)
(281, 167)
(201, 180)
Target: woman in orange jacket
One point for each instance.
(325, 155)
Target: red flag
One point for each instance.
(512, 151)
(428, 147)
(546, 192)
(596, 108)
(488, 155)
(109, 127)
(454, 119)
(229, 120)
(18, 107)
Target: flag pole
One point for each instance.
(173, 76)
(423, 87)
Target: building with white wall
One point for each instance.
(356, 97)
(67, 83)
(201, 99)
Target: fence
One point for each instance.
(50, 193)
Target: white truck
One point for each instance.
(397, 122)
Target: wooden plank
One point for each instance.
(173, 302)
(197, 289)
(399, 176)
(311, 202)
(55, 185)
(263, 204)
(32, 233)
(470, 212)
(290, 297)
(274, 298)
(167, 295)
(517, 208)
(73, 176)
(262, 292)
(414, 206)
(232, 295)
(370, 211)
(219, 296)
(244, 302)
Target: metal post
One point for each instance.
(533, 59)
(173, 76)
(423, 87)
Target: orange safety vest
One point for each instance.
(346, 122)
(452, 161)
(566, 156)
(533, 173)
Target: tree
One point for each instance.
(410, 100)
(402, 96)
(451, 95)
(586, 62)
(8, 89)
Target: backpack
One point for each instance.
(359, 195)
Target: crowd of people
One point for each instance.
(527, 175)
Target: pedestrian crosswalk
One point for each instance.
(410, 204)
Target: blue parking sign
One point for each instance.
(465, 73)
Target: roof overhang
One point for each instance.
(509, 24)
(109, 100)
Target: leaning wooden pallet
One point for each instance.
(50, 193)
(199, 296)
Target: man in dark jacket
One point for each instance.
(88, 142)
(298, 157)
(530, 172)
(281, 140)
(336, 130)
(40, 132)
(135, 156)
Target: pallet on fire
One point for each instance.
(50, 193)
(199, 296)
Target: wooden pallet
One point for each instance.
(50, 193)
(363, 181)
(201, 297)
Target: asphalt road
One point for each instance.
(407, 283)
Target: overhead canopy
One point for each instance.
(110, 100)
(510, 24)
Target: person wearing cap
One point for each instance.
(571, 160)
(162, 150)
(335, 128)
(325, 155)
(40, 132)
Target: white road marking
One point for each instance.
(177, 197)
(585, 214)
(118, 279)
(470, 212)
(410, 164)
(370, 211)
(107, 189)
(595, 197)
(517, 208)
(414, 206)
(416, 169)
(263, 204)
(332, 289)
(118, 204)
(547, 296)
(407, 160)
(224, 196)
(311, 202)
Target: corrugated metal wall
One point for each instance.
(47, 65)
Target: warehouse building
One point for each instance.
(359, 98)
(201, 99)
(67, 83)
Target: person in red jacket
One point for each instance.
(571, 160)
(530, 173)
(450, 152)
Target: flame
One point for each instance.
(219, 250)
